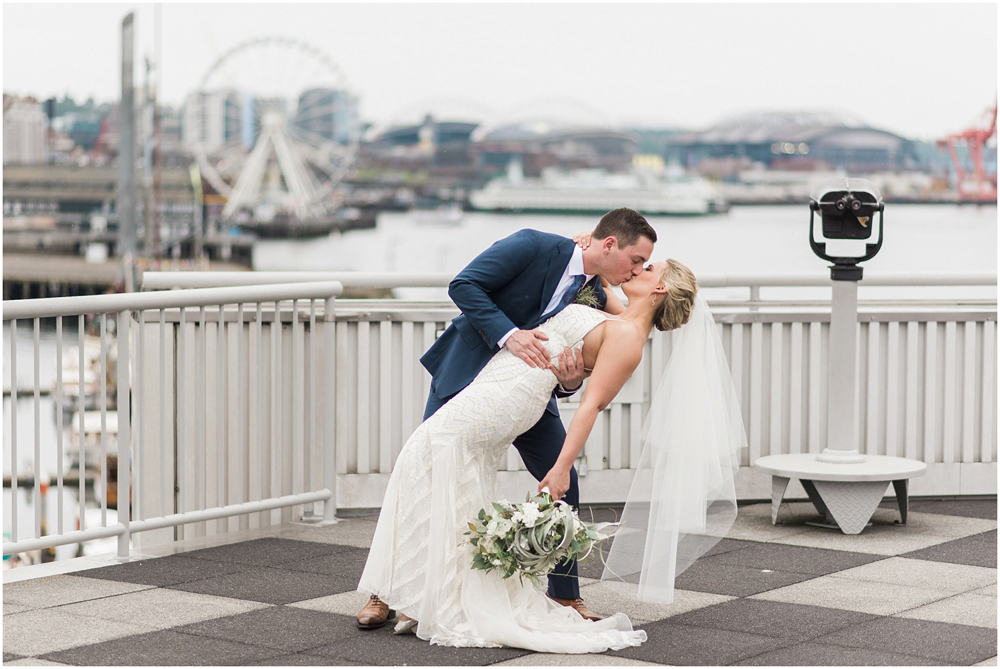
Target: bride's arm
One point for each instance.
(614, 305)
(618, 357)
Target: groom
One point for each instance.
(504, 294)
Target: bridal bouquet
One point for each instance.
(530, 539)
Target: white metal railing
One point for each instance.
(235, 410)
(166, 280)
(926, 384)
(151, 469)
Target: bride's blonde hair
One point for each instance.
(675, 308)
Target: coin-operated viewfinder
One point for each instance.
(847, 210)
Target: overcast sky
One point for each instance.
(920, 70)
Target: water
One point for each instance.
(766, 239)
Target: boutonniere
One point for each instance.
(588, 297)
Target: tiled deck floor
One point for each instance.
(923, 594)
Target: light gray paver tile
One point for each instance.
(33, 662)
(864, 596)
(988, 591)
(345, 603)
(587, 660)
(162, 607)
(992, 662)
(35, 633)
(356, 532)
(57, 590)
(874, 540)
(906, 571)
(14, 608)
(609, 597)
(964, 609)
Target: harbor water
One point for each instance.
(749, 239)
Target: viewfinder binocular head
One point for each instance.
(847, 208)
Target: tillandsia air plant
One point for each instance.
(587, 297)
(532, 538)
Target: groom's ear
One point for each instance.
(608, 244)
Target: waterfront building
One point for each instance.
(212, 119)
(793, 141)
(328, 113)
(25, 127)
(538, 145)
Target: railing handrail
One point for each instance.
(195, 297)
(164, 280)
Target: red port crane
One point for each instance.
(984, 188)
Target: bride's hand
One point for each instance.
(583, 239)
(557, 481)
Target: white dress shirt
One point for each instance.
(573, 268)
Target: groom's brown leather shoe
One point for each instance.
(580, 607)
(375, 613)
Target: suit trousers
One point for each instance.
(539, 448)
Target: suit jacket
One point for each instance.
(506, 286)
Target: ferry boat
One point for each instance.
(598, 191)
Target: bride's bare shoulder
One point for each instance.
(624, 337)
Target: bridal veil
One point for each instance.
(683, 497)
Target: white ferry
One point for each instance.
(596, 190)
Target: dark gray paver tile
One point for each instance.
(283, 628)
(164, 648)
(162, 571)
(978, 550)
(777, 619)
(720, 578)
(800, 559)
(381, 647)
(822, 655)
(967, 508)
(10, 657)
(947, 642)
(266, 552)
(730, 545)
(303, 660)
(269, 585)
(347, 562)
(683, 645)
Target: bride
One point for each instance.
(419, 563)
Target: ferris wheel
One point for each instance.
(289, 127)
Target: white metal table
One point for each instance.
(847, 494)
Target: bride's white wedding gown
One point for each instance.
(420, 563)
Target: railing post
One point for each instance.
(754, 297)
(329, 397)
(124, 433)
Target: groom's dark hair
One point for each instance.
(626, 225)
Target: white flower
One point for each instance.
(491, 529)
(503, 526)
(497, 563)
(517, 517)
(530, 513)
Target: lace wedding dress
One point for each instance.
(420, 563)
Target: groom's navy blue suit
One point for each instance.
(508, 285)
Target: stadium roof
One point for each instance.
(767, 127)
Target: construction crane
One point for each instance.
(984, 186)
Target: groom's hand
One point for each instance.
(528, 346)
(570, 372)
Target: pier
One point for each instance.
(262, 413)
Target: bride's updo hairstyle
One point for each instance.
(675, 309)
